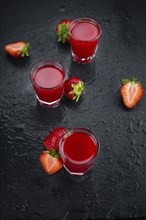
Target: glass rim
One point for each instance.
(86, 131)
(72, 24)
(44, 63)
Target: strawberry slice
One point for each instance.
(73, 88)
(51, 141)
(62, 30)
(18, 49)
(132, 92)
(51, 161)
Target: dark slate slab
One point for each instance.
(116, 186)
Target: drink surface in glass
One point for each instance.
(84, 36)
(78, 148)
(48, 78)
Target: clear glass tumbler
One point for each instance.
(84, 35)
(48, 79)
(78, 148)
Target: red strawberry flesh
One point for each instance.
(18, 49)
(132, 92)
(51, 141)
(50, 161)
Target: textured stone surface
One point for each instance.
(116, 186)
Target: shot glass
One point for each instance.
(78, 148)
(48, 79)
(84, 35)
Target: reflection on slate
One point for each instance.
(116, 186)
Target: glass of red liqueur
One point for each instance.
(78, 148)
(48, 78)
(84, 34)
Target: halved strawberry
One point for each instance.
(51, 161)
(131, 91)
(51, 141)
(62, 30)
(18, 49)
(73, 88)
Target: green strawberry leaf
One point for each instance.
(77, 90)
(62, 33)
(24, 51)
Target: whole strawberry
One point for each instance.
(62, 30)
(73, 88)
(50, 161)
(51, 141)
(18, 49)
(131, 92)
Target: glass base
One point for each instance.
(84, 60)
(49, 104)
(73, 173)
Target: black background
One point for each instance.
(116, 186)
